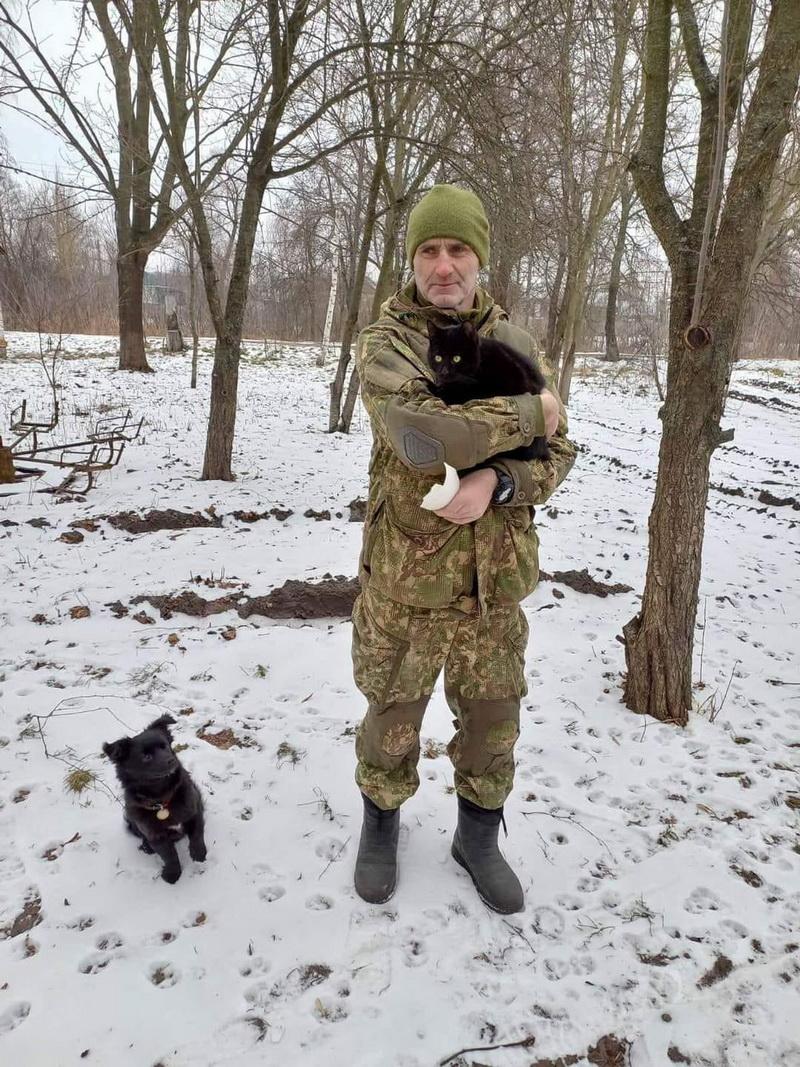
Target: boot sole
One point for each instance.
(493, 907)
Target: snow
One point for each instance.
(647, 852)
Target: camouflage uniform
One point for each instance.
(436, 594)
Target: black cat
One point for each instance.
(467, 366)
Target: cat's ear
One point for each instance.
(433, 329)
(470, 332)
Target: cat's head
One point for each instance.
(453, 352)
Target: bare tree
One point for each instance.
(116, 144)
(711, 255)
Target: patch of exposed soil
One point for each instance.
(224, 739)
(30, 916)
(332, 597)
(152, 521)
(766, 497)
(583, 582)
(609, 1051)
(721, 969)
(767, 401)
(314, 973)
(674, 1055)
(751, 877)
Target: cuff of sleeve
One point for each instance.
(530, 415)
(522, 476)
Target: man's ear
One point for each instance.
(117, 750)
(162, 723)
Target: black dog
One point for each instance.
(162, 803)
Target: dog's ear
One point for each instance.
(117, 751)
(162, 723)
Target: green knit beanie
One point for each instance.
(447, 211)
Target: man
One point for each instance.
(443, 589)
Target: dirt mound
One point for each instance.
(332, 597)
(152, 521)
(583, 582)
(766, 497)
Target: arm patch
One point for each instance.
(421, 450)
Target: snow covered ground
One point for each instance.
(660, 865)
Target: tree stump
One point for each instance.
(6, 465)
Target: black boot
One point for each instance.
(376, 864)
(475, 848)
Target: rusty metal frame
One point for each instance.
(100, 450)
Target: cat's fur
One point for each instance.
(467, 366)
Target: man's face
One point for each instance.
(446, 273)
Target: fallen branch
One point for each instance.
(525, 1042)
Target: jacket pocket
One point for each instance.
(517, 561)
(377, 657)
(370, 534)
(427, 566)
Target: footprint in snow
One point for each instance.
(163, 975)
(700, 900)
(414, 953)
(330, 848)
(271, 893)
(319, 903)
(107, 941)
(14, 1015)
(254, 965)
(95, 963)
(555, 970)
(11, 867)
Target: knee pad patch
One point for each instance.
(501, 737)
(399, 739)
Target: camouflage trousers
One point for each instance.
(398, 653)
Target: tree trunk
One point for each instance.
(336, 421)
(385, 285)
(350, 400)
(218, 459)
(612, 347)
(659, 640)
(571, 316)
(552, 308)
(222, 417)
(193, 313)
(130, 283)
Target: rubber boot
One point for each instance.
(475, 848)
(376, 863)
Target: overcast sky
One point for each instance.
(30, 146)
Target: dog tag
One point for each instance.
(162, 813)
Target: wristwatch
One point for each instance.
(504, 489)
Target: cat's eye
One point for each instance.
(437, 359)
(456, 359)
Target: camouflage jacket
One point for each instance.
(412, 555)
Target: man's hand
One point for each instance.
(551, 412)
(472, 499)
